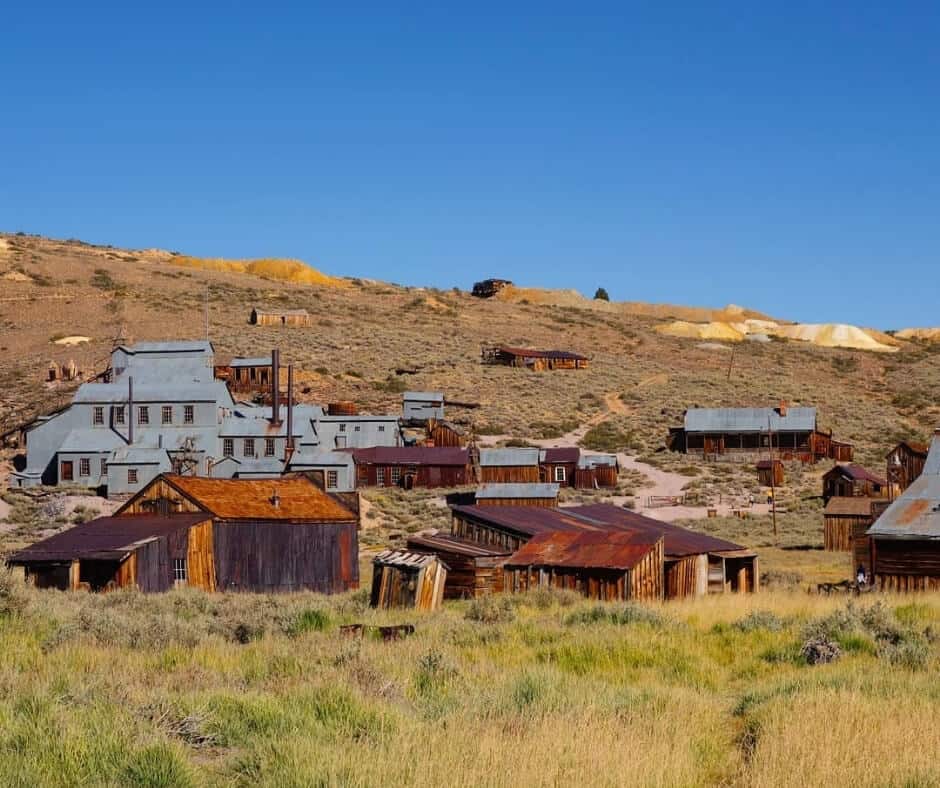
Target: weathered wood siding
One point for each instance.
(159, 498)
(399, 586)
(506, 474)
(485, 534)
(419, 476)
(443, 435)
(841, 531)
(906, 564)
(200, 560)
(545, 503)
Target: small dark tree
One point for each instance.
(601, 295)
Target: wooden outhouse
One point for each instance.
(473, 569)
(770, 473)
(405, 579)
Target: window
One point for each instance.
(269, 447)
(143, 415)
(357, 428)
(342, 428)
(228, 447)
(166, 414)
(332, 480)
(132, 476)
(249, 447)
(396, 475)
(84, 467)
(381, 428)
(179, 570)
(559, 473)
(119, 415)
(104, 467)
(189, 414)
(380, 477)
(98, 416)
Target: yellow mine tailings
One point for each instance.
(283, 270)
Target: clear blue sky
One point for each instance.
(782, 156)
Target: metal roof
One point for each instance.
(411, 455)
(916, 512)
(846, 506)
(298, 498)
(528, 520)
(138, 455)
(598, 460)
(271, 466)
(619, 550)
(257, 361)
(150, 391)
(106, 538)
(560, 455)
(315, 458)
(912, 446)
(171, 346)
(490, 458)
(856, 473)
(237, 427)
(438, 542)
(91, 440)
(749, 420)
(423, 396)
(517, 490)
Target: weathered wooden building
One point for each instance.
(530, 358)
(509, 465)
(473, 569)
(848, 481)
(249, 375)
(905, 539)
(517, 494)
(845, 524)
(147, 551)
(446, 433)
(412, 466)
(405, 579)
(770, 473)
(558, 465)
(280, 317)
(599, 565)
(267, 535)
(595, 471)
(489, 287)
(905, 463)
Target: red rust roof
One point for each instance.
(411, 455)
(585, 550)
(297, 499)
(561, 455)
(445, 543)
(857, 473)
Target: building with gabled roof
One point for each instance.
(851, 480)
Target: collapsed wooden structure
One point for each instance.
(473, 569)
(531, 358)
(405, 579)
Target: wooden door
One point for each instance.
(67, 473)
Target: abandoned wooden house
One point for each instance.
(848, 481)
(845, 524)
(509, 465)
(250, 375)
(748, 433)
(412, 466)
(280, 317)
(445, 433)
(595, 471)
(905, 462)
(489, 287)
(905, 539)
(600, 565)
(149, 552)
(530, 358)
(473, 569)
(770, 473)
(558, 465)
(406, 579)
(517, 494)
(269, 535)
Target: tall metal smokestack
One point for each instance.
(275, 386)
(289, 451)
(130, 409)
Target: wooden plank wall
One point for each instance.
(506, 474)
(681, 578)
(647, 577)
(545, 503)
(152, 494)
(906, 565)
(484, 534)
(200, 560)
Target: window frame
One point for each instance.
(166, 414)
(189, 414)
(97, 416)
(84, 466)
(332, 480)
(143, 414)
(380, 476)
(228, 447)
(180, 571)
(118, 414)
(270, 447)
(132, 476)
(248, 447)
(560, 474)
(395, 475)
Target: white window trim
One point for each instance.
(560, 473)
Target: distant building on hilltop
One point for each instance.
(280, 317)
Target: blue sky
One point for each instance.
(787, 158)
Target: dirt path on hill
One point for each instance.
(658, 483)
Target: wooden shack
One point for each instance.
(530, 358)
(405, 579)
(412, 466)
(845, 524)
(473, 569)
(267, 535)
(849, 481)
(599, 565)
(559, 465)
(517, 494)
(280, 317)
(446, 433)
(905, 463)
(596, 471)
(489, 287)
(770, 473)
(148, 552)
(509, 465)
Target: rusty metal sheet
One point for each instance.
(585, 550)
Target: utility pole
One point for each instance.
(773, 478)
(731, 363)
(207, 311)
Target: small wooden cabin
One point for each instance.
(267, 535)
(473, 569)
(509, 465)
(522, 494)
(280, 317)
(148, 552)
(598, 565)
(770, 473)
(905, 463)
(845, 524)
(530, 358)
(559, 465)
(849, 481)
(596, 471)
(412, 466)
(405, 579)
(446, 433)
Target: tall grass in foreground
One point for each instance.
(185, 689)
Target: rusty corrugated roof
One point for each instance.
(298, 499)
(438, 542)
(560, 455)
(585, 550)
(856, 473)
(105, 538)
